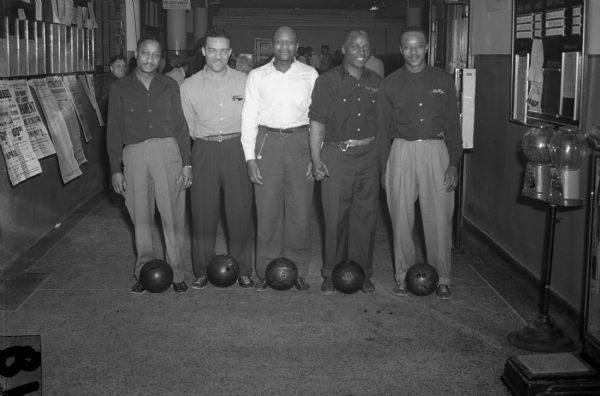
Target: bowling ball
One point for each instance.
(421, 279)
(348, 277)
(156, 276)
(281, 273)
(223, 270)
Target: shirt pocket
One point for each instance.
(135, 114)
(438, 102)
(403, 112)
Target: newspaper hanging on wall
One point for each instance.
(77, 97)
(21, 161)
(91, 94)
(65, 105)
(69, 169)
(38, 133)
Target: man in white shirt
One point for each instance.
(212, 101)
(275, 139)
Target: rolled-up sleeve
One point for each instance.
(250, 116)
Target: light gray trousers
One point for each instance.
(415, 170)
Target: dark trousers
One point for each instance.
(216, 166)
(349, 197)
(284, 199)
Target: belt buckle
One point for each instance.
(344, 146)
(220, 138)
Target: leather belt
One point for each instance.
(285, 130)
(346, 144)
(220, 138)
(434, 137)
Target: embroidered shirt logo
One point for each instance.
(372, 90)
(438, 91)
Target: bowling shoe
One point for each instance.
(180, 287)
(200, 283)
(327, 286)
(301, 284)
(138, 288)
(400, 289)
(261, 285)
(443, 292)
(245, 282)
(368, 287)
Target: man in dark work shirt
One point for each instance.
(343, 122)
(418, 110)
(149, 156)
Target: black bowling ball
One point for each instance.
(281, 273)
(348, 277)
(223, 270)
(421, 279)
(156, 276)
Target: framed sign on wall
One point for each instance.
(547, 61)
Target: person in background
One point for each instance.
(148, 148)
(314, 59)
(302, 55)
(343, 126)
(118, 69)
(212, 102)
(179, 73)
(419, 111)
(326, 59)
(275, 135)
(375, 64)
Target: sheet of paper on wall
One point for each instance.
(83, 80)
(36, 129)
(69, 168)
(77, 98)
(65, 105)
(38, 10)
(93, 22)
(21, 161)
(55, 14)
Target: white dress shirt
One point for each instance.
(276, 100)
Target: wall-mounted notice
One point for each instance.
(69, 168)
(21, 161)
(548, 47)
(38, 134)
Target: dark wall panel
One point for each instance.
(32, 208)
(494, 180)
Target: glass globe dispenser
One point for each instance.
(535, 146)
(568, 150)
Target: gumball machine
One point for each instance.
(568, 150)
(535, 145)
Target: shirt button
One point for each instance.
(420, 104)
(149, 110)
(343, 100)
(357, 129)
(149, 126)
(358, 114)
(359, 99)
(221, 104)
(421, 120)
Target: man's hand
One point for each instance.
(118, 183)
(254, 172)
(186, 177)
(451, 178)
(309, 173)
(319, 169)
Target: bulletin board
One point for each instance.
(63, 36)
(547, 61)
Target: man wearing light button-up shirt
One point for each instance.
(149, 155)
(419, 111)
(212, 103)
(275, 141)
(343, 116)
